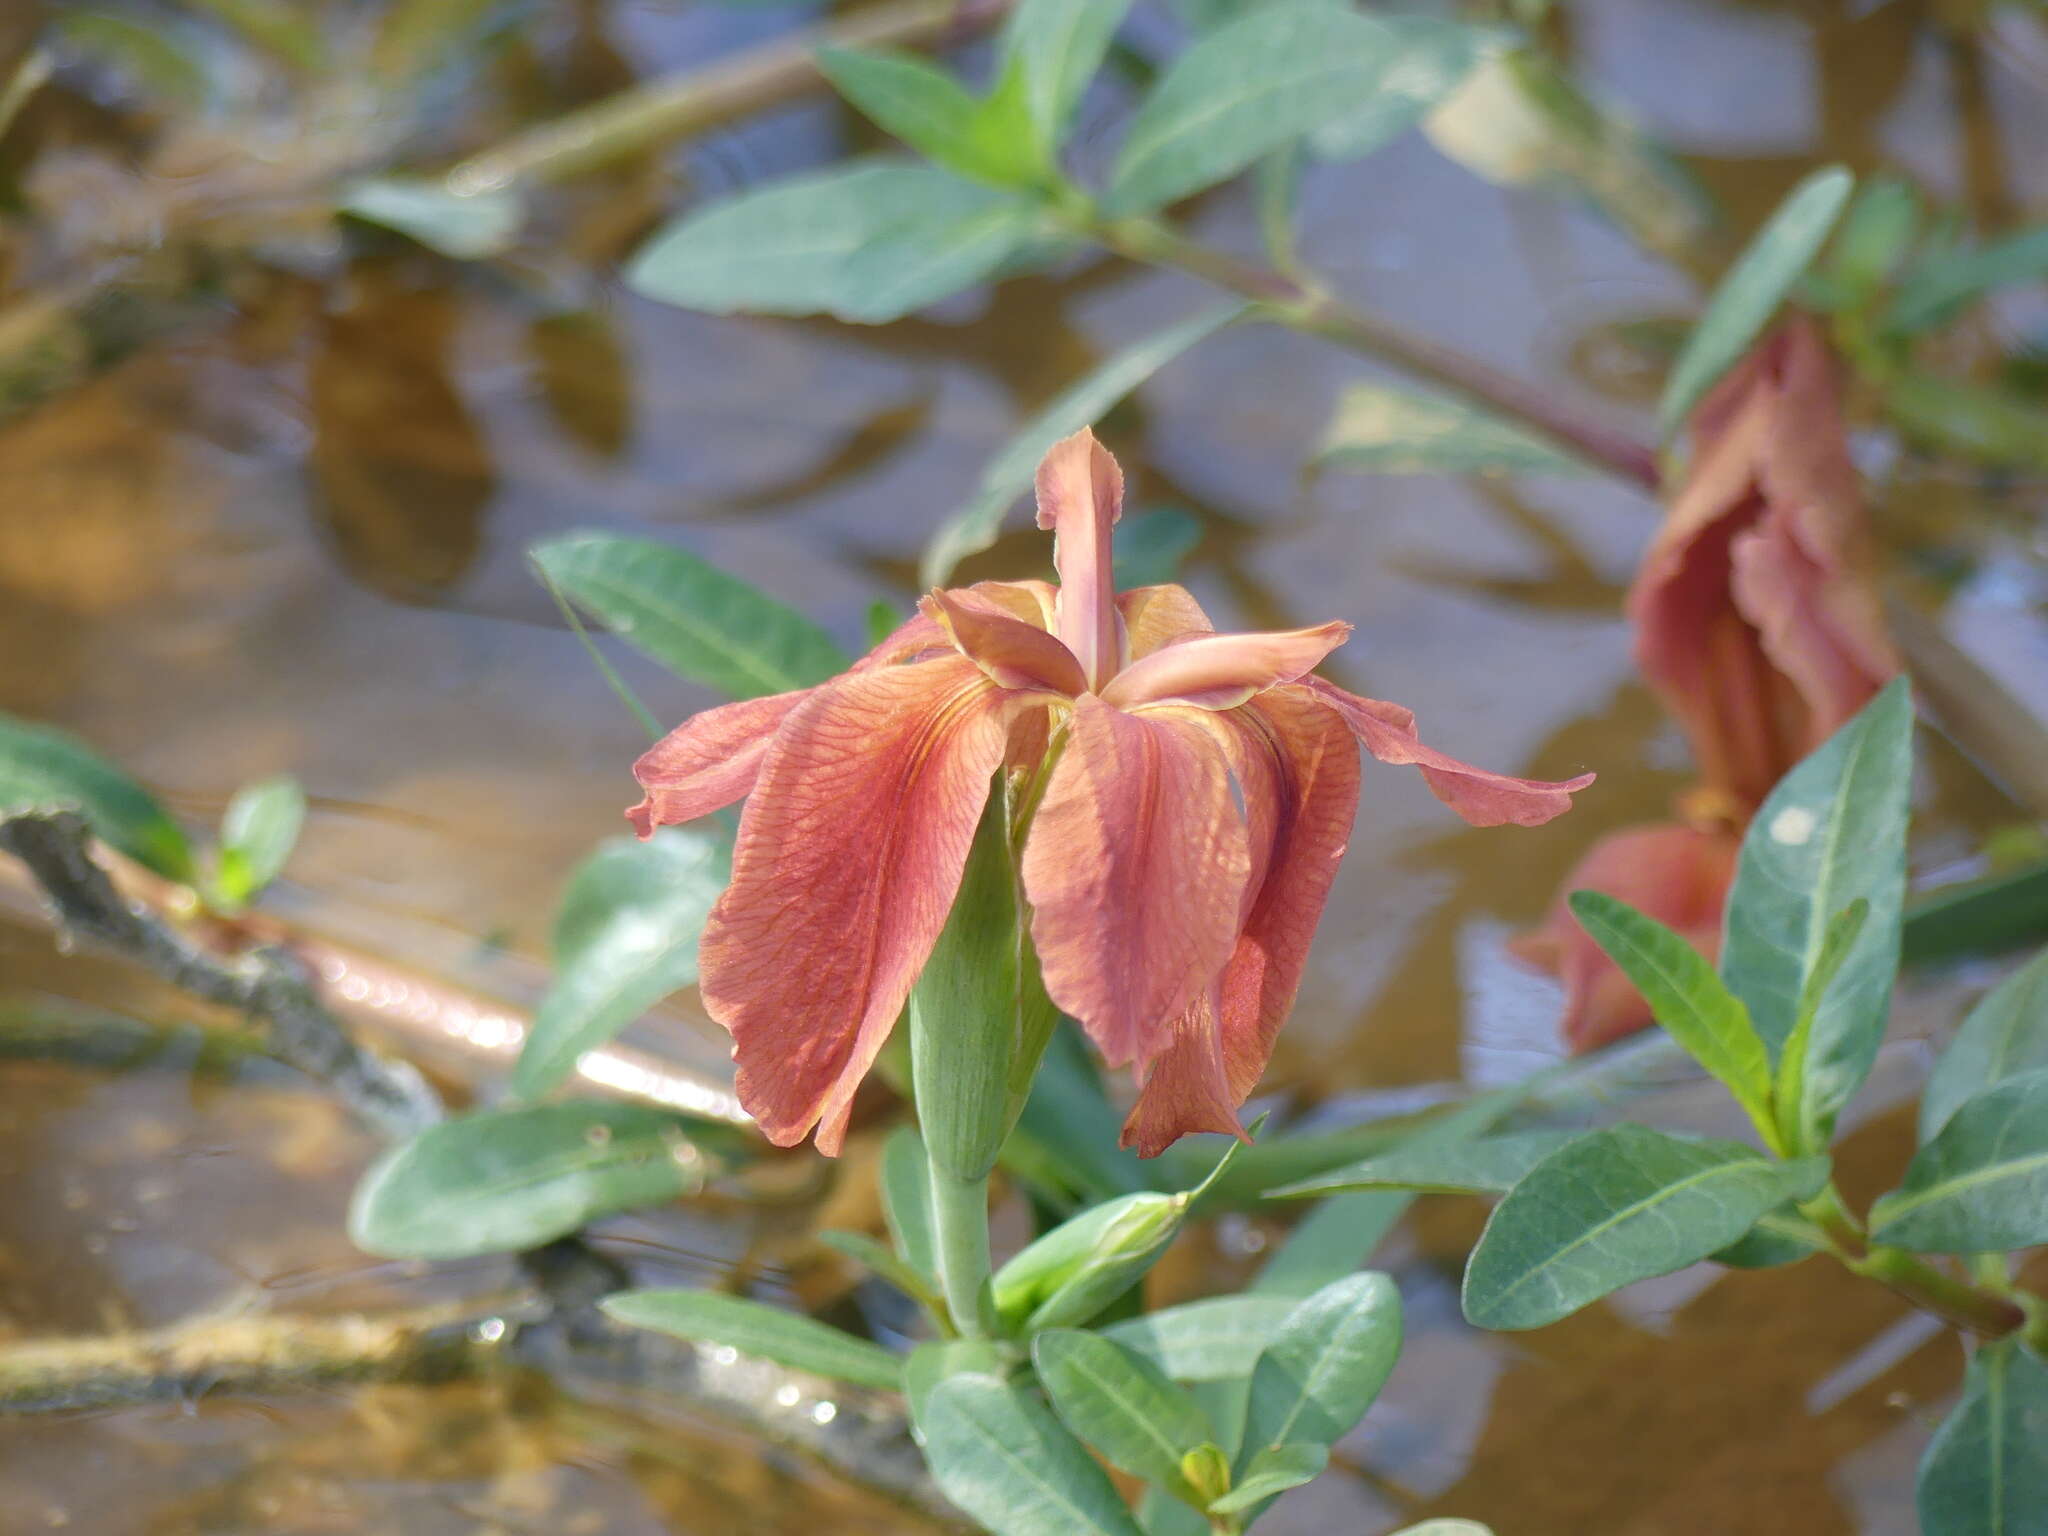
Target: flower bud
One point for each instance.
(1069, 1275)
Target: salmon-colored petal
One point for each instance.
(1135, 868)
(1484, 799)
(849, 855)
(1080, 497)
(1222, 671)
(1186, 1089)
(1156, 616)
(1034, 602)
(708, 761)
(1677, 874)
(1030, 602)
(1013, 653)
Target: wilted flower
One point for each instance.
(1758, 622)
(1197, 792)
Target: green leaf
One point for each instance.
(1981, 1186)
(1979, 917)
(1616, 1206)
(1120, 1403)
(1874, 236)
(1692, 1003)
(1389, 429)
(802, 1343)
(929, 110)
(1798, 1131)
(2005, 1034)
(1986, 1471)
(880, 1260)
(257, 834)
(690, 616)
(1779, 1237)
(1056, 46)
(937, 1360)
(500, 1180)
(1247, 88)
(1832, 832)
(1149, 547)
(866, 242)
(1161, 1514)
(1000, 1455)
(907, 1199)
(1969, 421)
(1941, 285)
(1436, 56)
(625, 938)
(1210, 1340)
(1753, 289)
(1087, 400)
(1491, 1165)
(1321, 1371)
(467, 227)
(1271, 1473)
(44, 769)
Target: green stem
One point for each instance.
(960, 1231)
(1937, 1291)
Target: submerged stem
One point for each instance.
(960, 1233)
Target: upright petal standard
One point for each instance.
(1182, 798)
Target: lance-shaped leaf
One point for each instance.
(1055, 47)
(1250, 87)
(938, 1360)
(1779, 1237)
(2004, 1035)
(1942, 284)
(1119, 1402)
(1983, 422)
(1492, 1165)
(625, 938)
(803, 1343)
(974, 527)
(1271, 1473)
(1981, 1186)
(1832, 833)
(467, 226)
(1211, 1340)
(258, 831)
(1616, 1206)
(931, 112)
(866, 242)
(1986, 1471)
(1389, 429)
(907, 1199)
(43, 769)
(1149, 547)
(1692, 1003)
(1324, 1367)
(1436, 57)
(690, 616)
(1000, 1455)
(501, 1180)
(1801, 1116)
(1753, 289)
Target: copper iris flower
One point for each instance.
(1198, 790)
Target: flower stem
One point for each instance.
(1305, 306)
(1935, 1290)
(960, 1231)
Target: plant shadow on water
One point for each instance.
(296, 540)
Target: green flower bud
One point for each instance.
(1069, 1275)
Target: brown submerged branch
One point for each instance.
(266, 984)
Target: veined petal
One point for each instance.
(1135, 868)
(1186, 1089)
(708, 761)
(1030, 602)
(1156, 616)
(1676, 874)
(1484, 799)
(849, 856)
(1222, 671)
(1080, 497)
(1297, 753)
(1013, 653)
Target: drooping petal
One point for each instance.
(1013, 653)
(1135, 868)
(1756, 612)
(1028, 601)
(708, 761)
(1298, 765)
(1186, 1089)
(1080, 497)
(1156, 616)
(1677, 874)
(1484, 799)
(849, 855)
(1222, 671)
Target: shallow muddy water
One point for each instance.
(289, 536)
